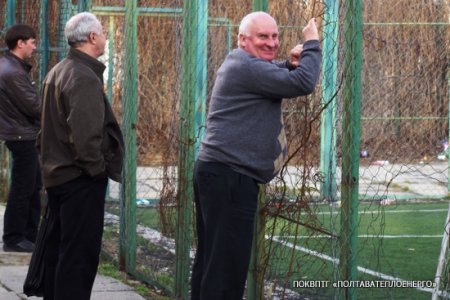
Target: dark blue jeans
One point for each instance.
(225, 203)
(74, 239)
(24, 202)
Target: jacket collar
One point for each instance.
(26, 66)
(88, 60)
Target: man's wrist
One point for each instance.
(290, 65)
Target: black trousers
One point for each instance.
(24, 202)
(75, 235)
(225, 203)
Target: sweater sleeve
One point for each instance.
(273, 81)
(85, 119)
(285, 64)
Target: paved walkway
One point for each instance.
(14, 267)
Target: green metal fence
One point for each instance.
(383, 95)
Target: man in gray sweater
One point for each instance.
(244, 145)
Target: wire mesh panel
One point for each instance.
(159, 67)
(156, 127)
(290, 209)
(26, 14)
(404, 132)
(3, 24)
(338, 209)
(305, 238)
(404, 109)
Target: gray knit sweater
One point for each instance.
(244, 127)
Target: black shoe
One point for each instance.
(23, 246)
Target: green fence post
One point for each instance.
(10, 20)
(127, 247)
(65, 10)
(10, 13)
(351, 94)
(328, 188)
(84, 5)
(110, 58)
(3, 175)
(260, 5)
(448, 137)
(192, 110)
(255, 278)
(43, 43)
(201, 69)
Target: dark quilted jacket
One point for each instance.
(19, 102)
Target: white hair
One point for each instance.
(244, 27)
(80, 26)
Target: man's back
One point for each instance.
(73, 111)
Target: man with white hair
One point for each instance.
(244, 145)
(81, 145)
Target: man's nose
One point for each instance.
(272, 42)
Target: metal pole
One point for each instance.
(10, 19)
(441, 261)
(43, 43)
(22, 12)
(255, 278)
(448, 137)
(127, 247)
(260, 5)
(10, 13)
(110, 58)
(328, 188)
(351, 94)
(65, 9)
(3, 167)
(192, 111)
(84, 5)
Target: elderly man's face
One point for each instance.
(101, 42)
(262, 38)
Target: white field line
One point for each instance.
(168, 244)
(335, 261)
(362, 236)
(385, 211)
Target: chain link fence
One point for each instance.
(368, 147)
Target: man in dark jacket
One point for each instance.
(19, 125)
(81, 145)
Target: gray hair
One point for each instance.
(247, 21)
(80, 26)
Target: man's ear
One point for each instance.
(20, 43)
(91, 37)
(242, 40)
